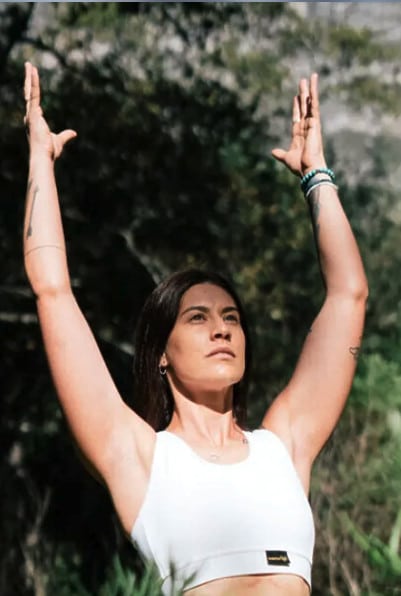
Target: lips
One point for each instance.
(222, 351)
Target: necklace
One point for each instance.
(213, 456)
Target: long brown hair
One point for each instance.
(152, 394)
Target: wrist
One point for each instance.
(39, 157)
(314, 176)
(318, 165)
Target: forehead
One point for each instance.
(206, 294)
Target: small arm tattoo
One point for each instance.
(35, 192)
(355, 351)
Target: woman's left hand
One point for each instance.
(306, 148)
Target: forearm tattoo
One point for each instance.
(35, 192)
(314, 207)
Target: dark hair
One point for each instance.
(152, 394)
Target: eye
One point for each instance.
(199, 316)
(232, 318)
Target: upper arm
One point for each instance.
(99, 419)
(307, 410)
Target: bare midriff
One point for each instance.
(253, 585)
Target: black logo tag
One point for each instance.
(277, 557)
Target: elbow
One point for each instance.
(47, 270)
(355, 289)
(51, 288)
(359, 290)
(46, 279)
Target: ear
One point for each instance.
(163, 360)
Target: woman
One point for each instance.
(213, 505)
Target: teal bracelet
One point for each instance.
(305, 179)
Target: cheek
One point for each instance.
(183, 347)
(242, 342)
(243, 353)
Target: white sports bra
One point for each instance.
(202, 521)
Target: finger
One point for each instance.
(27, 81)
(65, 136)
(296, 112)
(314, 96)
(303, 96)
(279, 154)
(60, 140)
(35, 88)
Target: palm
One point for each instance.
(306, 149)
(293, 157)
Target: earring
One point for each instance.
(162, 370)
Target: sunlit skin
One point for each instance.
(253, 585)
(205, 357)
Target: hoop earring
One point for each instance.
(162, 370)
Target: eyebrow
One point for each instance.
(206, 309)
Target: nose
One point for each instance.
(221, 330)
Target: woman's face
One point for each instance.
(206, 348)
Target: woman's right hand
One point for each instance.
(41, 139)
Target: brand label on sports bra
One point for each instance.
(277, 557)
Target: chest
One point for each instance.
(207, 503)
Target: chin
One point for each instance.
(219, 379)
(219, 383)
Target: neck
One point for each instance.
(208, 419)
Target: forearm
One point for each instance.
(340, 260)
(43, 240)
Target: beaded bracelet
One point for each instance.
(320, 183)
(312, 173)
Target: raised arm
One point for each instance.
(103, 426)
(306, 412)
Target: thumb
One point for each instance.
(66, 135)
(279, 154)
